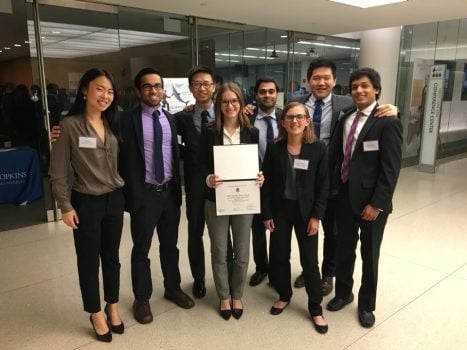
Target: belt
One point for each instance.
(158, 188)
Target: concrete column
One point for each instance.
(379, 49)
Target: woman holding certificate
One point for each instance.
(294, 197)
(89, 144)
(231, 126)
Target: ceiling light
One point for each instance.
(283, 36)
(6, 48)
(17, 45)
(26, 41)
(367, 3)
(55, 32)
(274, 53)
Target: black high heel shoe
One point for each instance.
(119, 329)
(107, 337)
(225, 314)
(237, 313)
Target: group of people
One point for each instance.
(130, 161)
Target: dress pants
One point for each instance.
(371, 236)
(159, 210)
(279, 256)
(328, 267)
(219, 232)
(98, 238)
(194, 189)
(259, 240)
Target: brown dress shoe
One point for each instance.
(327, 283)
(299, 281)
(142, 311)
(179, 298)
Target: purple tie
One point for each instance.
(348, 148)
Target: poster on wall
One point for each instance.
(431, 118)
(420, 73)
(177, 94)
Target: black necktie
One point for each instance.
(317, 117)
(157, 152)
(270, 130)
(204, 118)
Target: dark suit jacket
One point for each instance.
(340, 104)
(253, 117)
(131, 158)
(312, 185)
(189, 151)
(373, 174)
(210, 138)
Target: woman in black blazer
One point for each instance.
(231, 126)
(294, 196)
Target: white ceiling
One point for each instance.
(310, 16)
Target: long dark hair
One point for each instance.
(79, 106)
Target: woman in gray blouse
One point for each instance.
(94, 210)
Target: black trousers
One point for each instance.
(371, 236)
(98, 238)
(259, 240)
(328, 266)
(279, 256)
(160, 211)
(194, 189)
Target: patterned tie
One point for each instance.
(204, 118)
(318, 111)
(270, 130)
(157, 152)
(348, 148)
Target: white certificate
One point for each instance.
(237, 166)
(236, 162)
(238, 197)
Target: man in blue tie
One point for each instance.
(149, 164)
(265, 120)
(365, 158)
(325, 107)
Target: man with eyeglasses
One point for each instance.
(265, 120)
(149, 164)
(325, 107)
(189, 125)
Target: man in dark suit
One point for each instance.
(189, 125)
(366, 156)
(265, 120)
(325, 107)
(149, 164)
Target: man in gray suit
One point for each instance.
(326, 107)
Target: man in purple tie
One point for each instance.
(365, 154)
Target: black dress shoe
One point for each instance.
(366, 318)
(199, 289)
(321, 329)
(337, 303)
(119, 329)
(327, 284)
(237, 313)
(107, 337)
(225, 314)
(299, 281)
(277, 310)
(142, 311)
(257, 278)
(180, 298)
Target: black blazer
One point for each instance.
(210, 138)
(373, 174)
(131, 158)
(312, 185)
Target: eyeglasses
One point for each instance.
(299, 117)
(149, 87)
(233, 102)
(204, 84)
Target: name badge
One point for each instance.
(87, 142)
(369, 146)
(300, 164)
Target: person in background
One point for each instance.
(94, 210)
(231, 126)
(294, 197)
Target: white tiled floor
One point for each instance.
(422, 296)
